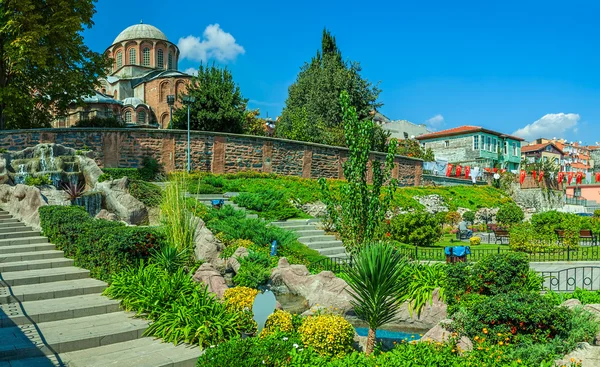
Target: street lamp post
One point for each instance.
(187, 100)
(171, 102)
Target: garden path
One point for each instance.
(53, 314)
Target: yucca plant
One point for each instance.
(170, 258)
(74, 190)
(378, 281)
(424, 279)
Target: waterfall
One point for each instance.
(91, 201)
(44, 163)
(21, 175)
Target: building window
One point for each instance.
(514, 149)
(489, 143)
(119, 59)
(160, 61)
(505, 148)
(132, 57)
(141, 117)
(170, 61)
(495, 145)
(128, 117)
(446, 143)
(476, 142)
(146, 57)
(84, 115)
(62, 121)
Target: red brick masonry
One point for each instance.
(211, 152)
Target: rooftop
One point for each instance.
(537, 147)
(465, 130)
(140, 31)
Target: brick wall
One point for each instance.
(210, 152)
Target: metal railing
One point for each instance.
(575, 200)
(568, 280)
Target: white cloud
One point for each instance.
(435, 122)
(191, 71)
(549, 126)
(215, 44)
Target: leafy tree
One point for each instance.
(452, 218)
(100, 122)
(361, 209)
(509, 214)
(378, 279)
(412, 148)
(417, 229)
(254, 125)
(312, 112)
(218, 106)
(469, 217)
(44, 63)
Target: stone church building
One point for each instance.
(144, 72)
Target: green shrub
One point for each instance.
(182, 310)
(424, 279)
(469, 216)
(328, 335)
(251, 274)
(509, 214)
(38, 180)
(97, 121)
(418, 229)
(146, 192)
(597, 213)
(278, 322)
(149, 171)
(101, 246)
(583, 295)
(269, 204)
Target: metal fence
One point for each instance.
(567, 280)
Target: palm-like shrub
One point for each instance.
(424, 279)
(378, 281)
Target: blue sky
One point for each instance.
(531, 67)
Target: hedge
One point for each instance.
(101, 246)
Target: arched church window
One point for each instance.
(132, 57)
(141, 117)
(170, 60)
(146, 57)
(119, 59)
(160, 62)
(128, 117)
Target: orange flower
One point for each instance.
(485, 331)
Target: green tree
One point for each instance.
(412, 148)
(509, 214)
(469, 217)
(44, 63)
(378, 279)
(361, 208)
(254, 125)
(417, 229)
(312, 111)
(218, 106)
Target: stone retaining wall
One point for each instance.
(210, 152)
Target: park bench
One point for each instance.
(501, 234)
(584, 234)
(462, 235)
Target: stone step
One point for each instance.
(64, 336)
(20, 234)
(332, 250)
(18, 227)
(35, 264)
(325, 244)
(60, 289)
(310, 233)
(293, 222)
(252, 216)
(25, 248)
(134, 353)
(23, 240)
(6, 221)
(303, 227)
(55, 309)
(308, 239)
(339, 256)
(28, 256)
(5, 215)
(44, 276)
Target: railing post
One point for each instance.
(568, 253)
(416, 253)
(498, 250)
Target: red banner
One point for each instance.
(561, 177)
(541, 176)
(578, 178)
(534, 174)
(495, 170)
(522, 177)
(597, 176)
(569, 177)
(502, 171)
(458, 170)
(448, 170)
(467, 171)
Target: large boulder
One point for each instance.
(323, 290)
(206, 246)
(210, 276)
(233, 263)
(587, 355)
(4, 177)
(22, 202)
(440, 334)
(431, 314)
(118, 200)
(90, 170)
(571, 303)
(106, 215)
(432, 203)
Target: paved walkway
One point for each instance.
(53, 314)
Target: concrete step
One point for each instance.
(18, 227)
(308, 239)
(310, 233)
(23, 240)
(25, 248)
(252, 216)
(44, 276)
(5, 215)
(55, 309)
(293, 222)
(64, 336)
(20, 234)
(35, 264)
(28, 256)
(134, 353)
(303, 227)
(6, 221)
(60, 289)
(332, 251)
(325, 244)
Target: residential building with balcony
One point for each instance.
(474, 146)
(576, 157)
(541, 153)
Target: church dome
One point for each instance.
(140, 31)
(133, 101)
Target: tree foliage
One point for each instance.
(417, 229)
(412, 148)
(218, 106)
(254, 125)
(313, 111)
(360, 210)
(44, 63)
(509, 214)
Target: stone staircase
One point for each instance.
(313, 237)
(53, 314)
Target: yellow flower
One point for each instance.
(518, 361)
(500, 343)
(485, 331)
